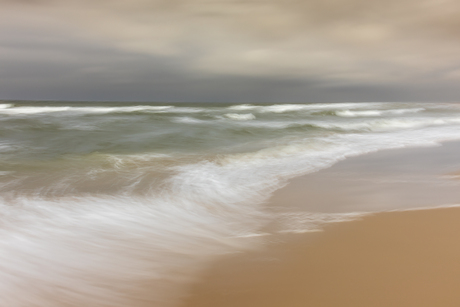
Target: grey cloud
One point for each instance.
(268, 49)
(327, 39)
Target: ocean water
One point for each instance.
(121, 204)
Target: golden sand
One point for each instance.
(392, 259)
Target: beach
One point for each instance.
(387, 259)
(403, 257)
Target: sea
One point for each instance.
(115, 204)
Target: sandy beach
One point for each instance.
(388, 259)
(393, 258)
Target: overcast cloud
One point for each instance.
(230, 50)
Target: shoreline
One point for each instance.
(389, 179)
(400, 255)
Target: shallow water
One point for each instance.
(119, 204)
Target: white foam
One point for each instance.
(282, 108)
(445, 206)
(5, 105)
(242, 107)
(33, 110)
(101, 251)
(186, 110)
(366, 113)
(302, 222)
(187, 120)
(236, 116)
(119, 161)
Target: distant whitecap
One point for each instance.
(236, 116)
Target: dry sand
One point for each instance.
(409, 258)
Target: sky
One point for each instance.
(230, 50)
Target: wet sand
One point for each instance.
(409, 258)
(380, 181)
(399, 258)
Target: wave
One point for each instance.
(217, 119)
(283, 108)
(5, 147)
(270, 125)
(374, 125)
(5, 105)
(24, 110)
(97, 110)
(370, 125)
(387, 124)
(11, 109)
(242, 107)
(188, 120)
(349, 113)
(237, 116)
(186, 110)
